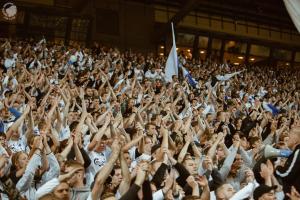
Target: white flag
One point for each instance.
(172, 62)
(293, 8)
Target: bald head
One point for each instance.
(294, 137)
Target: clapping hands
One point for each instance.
(266, 169)
(142, 169)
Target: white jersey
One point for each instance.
(18, 145)
(98, 160)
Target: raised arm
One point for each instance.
(132, 143)
(128, 122)
(125, 184)
(83, 114)
(212, 151)
(186, 103)
(53, 168)
(132, 193)
(98, 136)
(54, 104)
(226, 167)
(105, 171)
(188, 140)
(101, 117)
(67, 107)
(50, 185)
(67, 149)
(78, 155)
(30, 125)
(25, 182)
(202, 181)
(109, 86)
(194, 185)
(53, 134)
(164, 143)
(44, 100)
(17, 123)
(187, 125)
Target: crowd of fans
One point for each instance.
(108, 126)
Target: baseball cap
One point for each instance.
(262, 189)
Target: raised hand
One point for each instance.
(249, 175)
(142, 170)
(169, 182)
(207, 163)
(3, 162)
(202, 181)
(236, 142)
(89, 118)
(188, 138)
(220, 137)
(266, 170)
(134, 109)
(76, 139)
(81, 93)
(270, 167)
(68, 175)
(38, 143)
(139, 127)
(115, 147)
(294, 195)
(192, 182)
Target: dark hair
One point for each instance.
(107, 195)
(109, 178)
(73, 163)
(73, 125)
(252, 140)
(148, 125)
(191, 197)
(2, 134)
(104, 137)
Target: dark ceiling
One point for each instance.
(267, 12)
(59, 7)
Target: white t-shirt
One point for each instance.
(18, 145)
(139, 74)
(151, 75)
(98, 160)
(64, 133)
(9, 62)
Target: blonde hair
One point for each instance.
(15, 158)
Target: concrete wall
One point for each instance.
(132, 31)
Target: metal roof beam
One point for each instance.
(188, 7)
